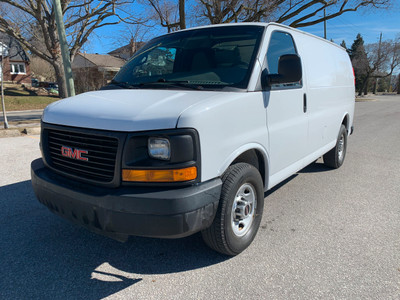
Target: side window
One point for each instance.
(281, 43)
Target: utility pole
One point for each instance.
(182, 17)
(2, 87)
(379, 57)
(64, 48)
(324, 24)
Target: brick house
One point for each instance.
(15, 61)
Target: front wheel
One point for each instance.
(335, 157)
(239, 212)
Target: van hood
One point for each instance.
(125, 110)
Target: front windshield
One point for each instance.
(210, 58)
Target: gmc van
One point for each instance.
(193, 130)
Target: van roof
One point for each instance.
(264, 24)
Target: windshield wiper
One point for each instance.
(173, 83)
(123, 84)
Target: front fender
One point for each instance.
(244, 148)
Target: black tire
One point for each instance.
(229, 234)
(335, 157)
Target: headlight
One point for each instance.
(159, 148)
(161, 157)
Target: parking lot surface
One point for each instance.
(325, 234)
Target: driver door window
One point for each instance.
(281, 43)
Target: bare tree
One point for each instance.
(374, 61)
(30, 21)
(217, 12)
(170, 14)
(134, 35)
(42, 69)
(383, 58)
(295, 13)
(302, 13)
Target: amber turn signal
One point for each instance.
(173, 175)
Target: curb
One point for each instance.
(9, 133)
(13, 132)
(25, 111)
(31, 131)
(365, 100)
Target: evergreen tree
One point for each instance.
(360, 63)
(343, 44)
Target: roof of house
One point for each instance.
(15, 50)
(101, 60)
(125, 52)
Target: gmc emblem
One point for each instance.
(73, 153)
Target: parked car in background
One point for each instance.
(51, 87)
(34, 82)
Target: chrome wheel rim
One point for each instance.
(243, 209)
(341, 148)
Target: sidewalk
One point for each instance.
(21, 122)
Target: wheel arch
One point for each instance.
(346, 122)
(252, 154)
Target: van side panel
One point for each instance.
(330, 89)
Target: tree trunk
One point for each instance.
(364, 87)
(398, 85)
(62, 86)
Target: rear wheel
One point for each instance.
(239, 212)
(335, 157)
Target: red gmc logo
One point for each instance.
(73, 153)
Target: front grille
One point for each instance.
(101, 154)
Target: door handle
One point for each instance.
(304, 103)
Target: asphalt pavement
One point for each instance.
(325, 234)
(25, 115)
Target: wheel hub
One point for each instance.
(341, 148)
(243, 209)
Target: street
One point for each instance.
(325, 234)
(18, 116)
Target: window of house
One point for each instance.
(17, 68)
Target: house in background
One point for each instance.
(127, 51)
(92, 71)
(15, 61)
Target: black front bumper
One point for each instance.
(124, 211)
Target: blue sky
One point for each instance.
(370, 25)
(345, 27)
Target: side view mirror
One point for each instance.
(289, 70)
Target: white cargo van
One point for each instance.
(193, 130)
